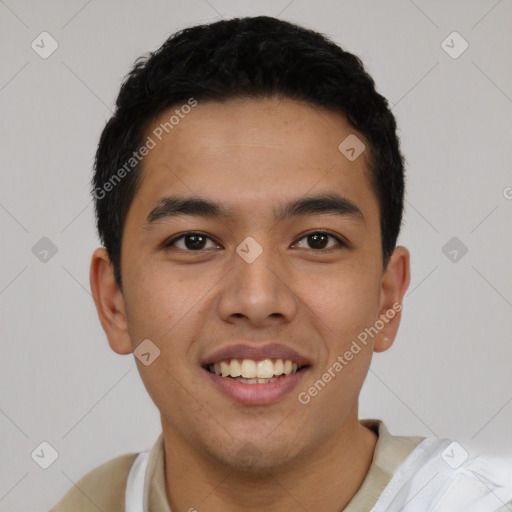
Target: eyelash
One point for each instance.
(169, 244)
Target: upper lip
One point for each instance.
(255, 352)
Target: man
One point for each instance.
(249, 194)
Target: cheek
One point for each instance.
(170, 311)
(346, 301)
(156, 299)
(151, 311)
(343, 306)
(163, 309)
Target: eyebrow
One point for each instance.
(174, 206)
(320, 205)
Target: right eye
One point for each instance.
(192, 242)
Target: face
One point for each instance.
(275, 267)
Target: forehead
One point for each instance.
(250, 152)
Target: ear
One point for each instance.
(109, 302)
(394, 284)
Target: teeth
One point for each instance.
(249, 370)
(224, 368)
(255, 381)
(265, 369)
(235, 369)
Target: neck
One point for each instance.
(326, 479)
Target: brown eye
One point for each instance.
(192, 242)
(319, 241)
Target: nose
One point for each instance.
(258, 293)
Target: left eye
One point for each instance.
(318, 241)
(192, 242)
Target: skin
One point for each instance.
(254, 155)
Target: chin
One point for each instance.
(257, 456)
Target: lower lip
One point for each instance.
(256, 394)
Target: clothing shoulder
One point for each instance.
(103, 488)
(441, 476)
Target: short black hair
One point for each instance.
(250, 57)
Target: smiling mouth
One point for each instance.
(250, 371)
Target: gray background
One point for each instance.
(449, 371)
